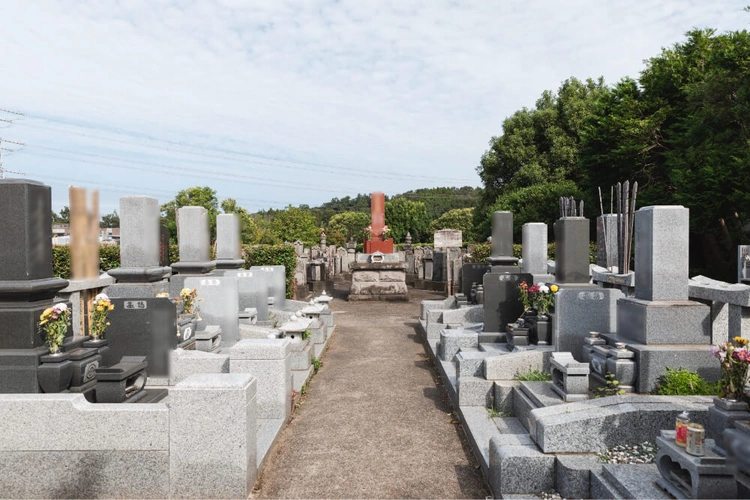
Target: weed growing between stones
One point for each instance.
(316, 364)
(533, 376)
(682, 382)
(612, 388)
(493, 413)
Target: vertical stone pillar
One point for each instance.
(661, 252)
(534, 248)
(228, 242)
(212, 436)
(270, 361)
(502, 239)
(194, 239)
(572, 250)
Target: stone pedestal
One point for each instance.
(270, 362)
(378, 281)
(721, 416)
(570, 379)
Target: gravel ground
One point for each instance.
(375, 423)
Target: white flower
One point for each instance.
(62, 306)
(101, 296)
(544, 288)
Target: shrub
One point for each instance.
(274, 255)
(682, 382)
(532, 375)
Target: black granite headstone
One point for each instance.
(472, 273)
(144, 327)
(502, 304)
(572, 250)
(439, 266)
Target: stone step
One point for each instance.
(541, 394)
(634, 480)
(495, 348)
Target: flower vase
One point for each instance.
(104, 351)
(55, 372)
(543, 330)
(722, 415)
(480, 294)
(188, 326)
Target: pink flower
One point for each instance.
(534, 288)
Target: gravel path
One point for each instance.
(375, 422)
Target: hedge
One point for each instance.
(274, 255)
(257, 255)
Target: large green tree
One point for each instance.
(458, 218)
(403, 216)
(191, 197)
(347, 225)
(293, 223)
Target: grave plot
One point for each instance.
(176, 380)
(528, 401)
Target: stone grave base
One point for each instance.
(653, 360)
(378, 281)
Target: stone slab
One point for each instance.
(451, 342)
(579, 311)
(519, 469)
(506, 366)
(269, 361)
(475, 391)
(663, 322)
(187, 363)
(219, 303)
(573, 474)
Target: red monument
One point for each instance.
(378, 230)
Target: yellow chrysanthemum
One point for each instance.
(554, 288)
(111, 307)
(100, 308)
(740, 341)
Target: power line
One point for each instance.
(348, 171)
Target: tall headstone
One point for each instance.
(220, 304)
(252, 289)
(534, 248)
(659, 323)
(27, 284)
(572, 250)
(377, 242)
(139, 274)
(502, 304)
(194, 239)
(228, 242)
(276, 276)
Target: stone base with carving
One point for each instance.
(378, 281)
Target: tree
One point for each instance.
(403, 216)
(538, 145)
(191, 197)
(348, 225)
(292, 224)
(63, 218)
(110, 220)
(458, 218)
(249, 230)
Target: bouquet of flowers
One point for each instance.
(386, 232)
(734, 358)
(55, 321)
(541, 297)
(188, 297)
(100, 308)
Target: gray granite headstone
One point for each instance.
(502, 239)
(194, 240)
(252, 287)
(661, 254)
(276, 284)
(139, 249)
(228, 242)
(219, 304)
(534, 248)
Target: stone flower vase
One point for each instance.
(104, 351)
(543, 327)
(187, 325)
(55, 372)
(722, 415)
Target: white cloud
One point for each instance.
(410, 89)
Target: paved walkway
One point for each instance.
(375, 423)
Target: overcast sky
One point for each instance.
(280, 102)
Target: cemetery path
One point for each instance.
(375, 423)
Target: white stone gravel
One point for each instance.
(630, 454)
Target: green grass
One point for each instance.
(532, 375)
